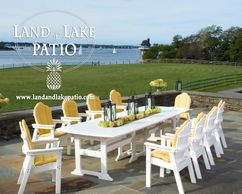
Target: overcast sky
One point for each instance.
(129, 21)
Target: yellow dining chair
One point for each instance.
(70, 112)
(183, 100)
(172, 157)
(116, 98)
(94, 107)
(45, 126)
(38, 160)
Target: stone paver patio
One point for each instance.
(225, 177)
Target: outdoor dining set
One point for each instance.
(118, 125)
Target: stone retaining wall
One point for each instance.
(208, 100)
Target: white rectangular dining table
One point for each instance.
(112, 138)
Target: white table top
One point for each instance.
(92, 129)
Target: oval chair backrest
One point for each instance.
(183, 100)
(198, 128)
(94, 104)
(69, 108)
(26, 136)
(183, 136)
(183, 143)
(115, 97)
(219, 116)
(210, 119)
(43, 115)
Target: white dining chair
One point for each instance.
(218, 122)
(209, 138)
(39, 160)
(174, 157)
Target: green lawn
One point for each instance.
(128, 79)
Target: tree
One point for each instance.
(152, 53)
(191, 48)
(236, 48)
(167, 51)
(227, 38)
(209, 39)
(177, 43)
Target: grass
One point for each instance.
(129, 79)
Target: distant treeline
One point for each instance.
(28, 44)
(210, 43)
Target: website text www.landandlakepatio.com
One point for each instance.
(51, 97)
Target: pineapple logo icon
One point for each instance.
(53, 81)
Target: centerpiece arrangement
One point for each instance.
(110, 119)
(158, 84)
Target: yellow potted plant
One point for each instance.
(3, 101)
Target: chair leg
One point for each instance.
(178, 181)
(162, 172)
(91, 142)
(217, 149)
(68, 142)
(209, 152)
(220, 148)
(197, 168)
(120, 153)
(54, 176)
(191, 172)
(221, 134)
(26, 173)
(20, 176)
(205, 159)
(148, 168)
(58, 174)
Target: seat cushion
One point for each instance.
(57, 134)
(70, 108)
(43, 116)
(44, 159)
(163, 155)
(184, 116)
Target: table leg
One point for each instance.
(104, 165)
(78, 169)
(133, 149)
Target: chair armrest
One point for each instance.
(44, 151)
(68, 119)
(161, 138)
(93, 112)
(169, 135)
(40, 126)
(121, 107)
(83, 115)
(160, 147)
(45, 141)
(58, 121)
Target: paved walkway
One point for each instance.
(225, 177)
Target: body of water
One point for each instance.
(24, 57)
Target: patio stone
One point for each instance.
(129, 178)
